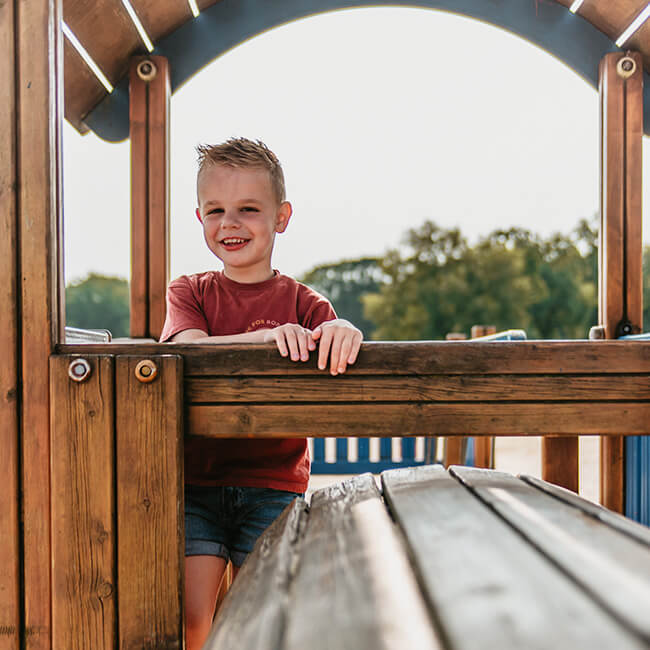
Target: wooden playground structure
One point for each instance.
(91, 518)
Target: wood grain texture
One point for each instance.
(149, 504)
(339, 597)
(83, 506)
(414, 419)
(9, 326)
(612, 568)
(158, 196)
(624, 525)
(406, 358)
(455, 450)
(254, 612)
(401, 388)
(38, 74)
(484, 452)
(77, 73)
(488, 586)
(138, 133)
(560, 461)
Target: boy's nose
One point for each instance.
(230, 219)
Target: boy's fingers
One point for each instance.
(335, 353)
(316, 334)
(302, 345)
(311, 344)
(356, 344)
(293, 344)
(279, 341)
(344, 355)
(324, 349)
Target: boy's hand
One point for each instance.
(292, 339)
(340, 340)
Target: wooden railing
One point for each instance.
(117, 430)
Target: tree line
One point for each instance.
(434, 283)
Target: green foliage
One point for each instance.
(437, 283)
(345, 283)
(99, 302)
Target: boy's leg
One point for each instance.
(203, 575)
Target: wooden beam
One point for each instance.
(560, 461)
(149, 457)
(83, 505)
(38, 84)
(10, 327)
(620, 277)
(150, 91)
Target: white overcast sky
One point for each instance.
(382, 118)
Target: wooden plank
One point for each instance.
(353, 587)
(455, 450)
(488, 586)
(560, 461)
(407, 358)
(139, 280)
(9, 326)
(77, 73)
(83, 506)
(483, 448)
(38, 147)
(612, 568)
(395, 419)
(253, 615)
(619, 522)
(158, 196)
(405, 388)
(149, 504)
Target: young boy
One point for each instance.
(236, 488)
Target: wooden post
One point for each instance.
(560, 461)
(83, 503)
(30, 67)
(483, 446)
(149, 90)
(10, 328)
(149, 461)
(620, 304)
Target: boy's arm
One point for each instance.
(291, 339)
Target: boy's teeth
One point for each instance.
(234, 241)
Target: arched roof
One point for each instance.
(109, 34)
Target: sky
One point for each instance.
(382, 118)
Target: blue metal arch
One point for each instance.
(228, 23)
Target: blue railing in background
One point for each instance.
(637, 466)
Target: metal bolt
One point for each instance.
(626, 67)
(146, 371)
(79, 370)
(147, 70)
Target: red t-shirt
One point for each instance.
(219, 306)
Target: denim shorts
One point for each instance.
(226, 521)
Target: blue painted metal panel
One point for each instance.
(637, 478)
(229, 23)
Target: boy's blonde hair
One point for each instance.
(243, 153)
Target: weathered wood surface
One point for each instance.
(38, 48)
(254, 617)
(149, 504)
(353, 587)
(577, 543)
(450, 572)
(405, 388)
(414, 419)
(83, 507)
(407, 358)
(560, 461)
(10, 559)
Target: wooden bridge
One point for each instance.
(91, 515)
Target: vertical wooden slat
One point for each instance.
(139, 316)
(483, 445)
(149, 116)
(560, 461)
(455, 450)
(83, 506)
(363, 449)
(9, 326)
(149, 464)
(620, 277)
(37, 86)
(159, 95)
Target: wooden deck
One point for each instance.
(460, 559)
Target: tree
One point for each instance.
(99, 302)
(344, 284)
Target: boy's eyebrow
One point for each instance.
(215, 202)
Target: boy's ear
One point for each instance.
(284, 214)
(198, 215)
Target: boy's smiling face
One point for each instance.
(240, 215)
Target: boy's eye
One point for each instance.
(215, 211)
(250, 209)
